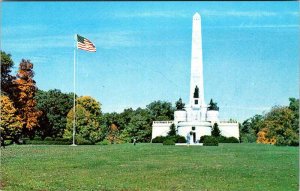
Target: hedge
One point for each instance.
(169, 142)
(210, 141)
(176, 139)
(34, 142)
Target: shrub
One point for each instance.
(34, 142)
(175, 139)
(180, 139)
(63, 139)
(104, 142)
(169, 142)
(46, 139)
(248, 138)
(202, 138)
(294, 143)
(81, 141)
(37, 139)
(232, 140)
(210, 141)
(25, 140)
(159, 139)
(7, 142)
(222, 139)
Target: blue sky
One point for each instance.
(250, 51)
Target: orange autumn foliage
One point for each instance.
(24, 90)
(113, 134)
(262, 137)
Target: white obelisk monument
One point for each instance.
(196, 63)
(196, 85)
(196, 119)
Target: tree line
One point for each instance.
(27, 112)
(279, 126)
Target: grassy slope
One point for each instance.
(150, 167)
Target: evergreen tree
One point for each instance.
(215, 131)
(172, 131)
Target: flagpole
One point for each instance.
(74, 98)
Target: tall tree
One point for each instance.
(278, 123)
(87, 120)
(90, 104)
(161, 110)
(24, 90)
(55, 106)
(6, 77)
(139, 126)
(113, 134)
(294, 107)
(10, 123)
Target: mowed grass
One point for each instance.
(150, 167)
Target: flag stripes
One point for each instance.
(85, 44)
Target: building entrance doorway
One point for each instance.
(194, 137)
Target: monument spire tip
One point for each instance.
(197, 14)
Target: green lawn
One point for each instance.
(150, 167)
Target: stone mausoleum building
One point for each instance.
(197, 118)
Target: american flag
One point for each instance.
(85, 44)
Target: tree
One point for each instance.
(139, 126)
(81, 124)
(55, 106)
(124, 118)
(232, 120)
(179, 104)
(87, 120)
(278, 123)
(262, 137)
(160, 110)
(172, 131)
(213, 105)
(10, 123)
(24, 90)
(6, 77)
(113, 134)
(215, 130)
(294, 107)
(252, 125)
(90, 104)
(247, 134)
